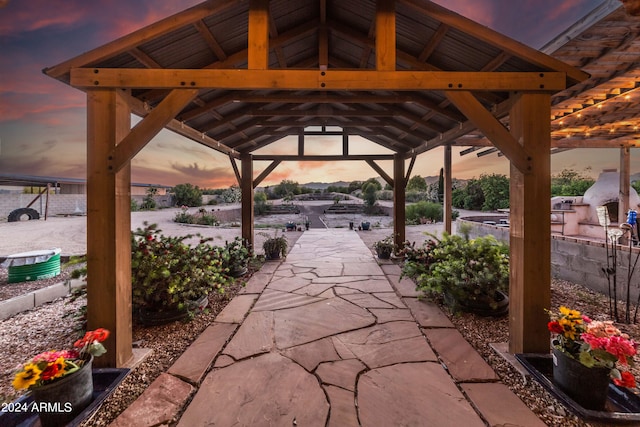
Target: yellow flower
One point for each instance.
(27, 377)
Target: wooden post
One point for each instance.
(108, 225)
(386, 35)
(246, 187)
(258, 34)
(530, 229)
(625, 184)
(446, 203)
(399, 186)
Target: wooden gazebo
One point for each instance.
(236, 76)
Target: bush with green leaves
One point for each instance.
(201, 218)
(467, 270)
(167, 273)
(187, 195)
(149, 201)
(428, 210)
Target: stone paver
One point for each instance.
(158, 404)
(237, 309)
(491, 399)
(413, 394)
(427, 314)
(462, 361)
(195, 361)
(268, 390)
(332, 338)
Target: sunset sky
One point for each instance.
(43, 125)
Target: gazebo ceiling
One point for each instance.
(321, 35)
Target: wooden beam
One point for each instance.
(322, 157)
(246, 188)
(386, 35)
(530, 222)
(410, 169)
(130, 41)
(301, 142)
(381, 172)
(447, 202)
(491, 128)
(139, 109)
(150, 125)
(108, 226)
(399, 200)
(433, 42)
(345, 142)
(258, 57)
(290, 79)
(236, 172)
(265, 173)
(625, 184)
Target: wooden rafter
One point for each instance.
(210, 40)
(258, 57)
(386, 35)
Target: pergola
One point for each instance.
(236, 76)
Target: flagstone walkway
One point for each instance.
(329, 337)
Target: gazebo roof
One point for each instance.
(319, 35)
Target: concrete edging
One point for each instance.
(36, 298)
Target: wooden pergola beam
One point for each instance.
(385, 35)
(109, 225)
(265, 173)
(150, 125)
(322, 157)
(236, 172)
(317, 80)
(246, 189)
(258, 58)
(399, 200)
(492, 128)
(530, 222)
(380, 172)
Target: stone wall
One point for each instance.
(576, 260)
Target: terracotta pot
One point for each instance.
(62, 400)
(588, 387)
(632, 7)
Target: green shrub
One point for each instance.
(467, 270)
(187, 195)
(429, 210)
(166, 273)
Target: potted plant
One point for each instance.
(62, 379)
(471, 275)
(170, 279)
(291, 226)
(384, 248)
(235, 256)
(587, 354)
(274, 247)
(365, 225)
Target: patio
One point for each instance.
(329, 337)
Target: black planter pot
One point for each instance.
(384, 253)
(586, 386)
(150, 317)
(238, 271)
(480, 306)
(272, 255)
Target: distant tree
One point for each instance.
(369, 195)
(636, 186)
(231, 194)
(286, 188)
(388, 186)
(417, 183)
(354, 185)
(373, 182)
(570, 183)
(149, 202)
(495, 189)
(187, 195)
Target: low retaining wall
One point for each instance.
(575, 260)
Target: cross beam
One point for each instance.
(317, 80)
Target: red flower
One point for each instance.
(626, 380)
(555, 327)
(100, 334)
(50, 372)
